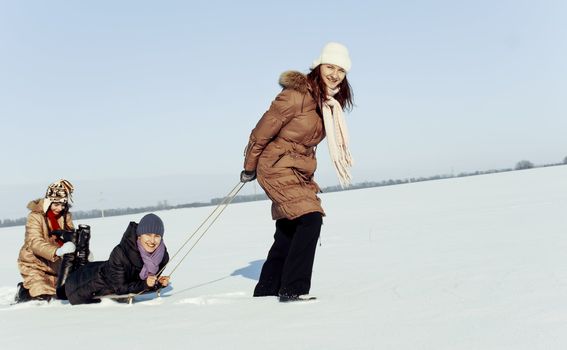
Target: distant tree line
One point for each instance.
(524, 164)
(98, 213)
(163, 205)
(13, 222)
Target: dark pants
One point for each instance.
(288, 268)
(71, 261)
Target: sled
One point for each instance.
(126, 298)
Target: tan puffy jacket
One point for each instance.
(37, 261)
(282, 149)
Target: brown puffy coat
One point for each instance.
(282, 149)
(37, 261)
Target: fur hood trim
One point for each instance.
(294, 80)
(36, 206)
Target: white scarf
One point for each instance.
(337, 137)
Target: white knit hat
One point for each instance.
(334, 53)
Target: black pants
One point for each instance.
(71, 261)
(288, 268)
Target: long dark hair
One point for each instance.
(318, 88)
(64, 213)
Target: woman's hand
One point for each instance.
(151, 281)
(247, 176)
(68, 247)
(164, 281)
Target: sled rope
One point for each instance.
(214, 215)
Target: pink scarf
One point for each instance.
(151, 260)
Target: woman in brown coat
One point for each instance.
(42, 250)
(281, 154)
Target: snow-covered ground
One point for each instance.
(468, 263)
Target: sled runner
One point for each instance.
(126, 298)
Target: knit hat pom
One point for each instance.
(150, 223)
(334, 53)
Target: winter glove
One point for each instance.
(247, 176)
(57, 233)
(66, 248)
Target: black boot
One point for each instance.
(43, 297)
(67, 265)
(83, 240)
(292, 298)
(22, 294)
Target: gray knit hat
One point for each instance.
(150, 223)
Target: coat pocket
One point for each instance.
(303, 164)
(275, 164)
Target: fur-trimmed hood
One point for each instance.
(295, 80)
(36, 206)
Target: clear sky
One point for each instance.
(107, 92)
